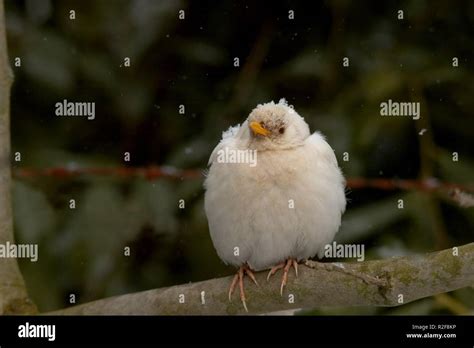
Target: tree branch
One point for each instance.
(458, 194)
(430, 185)
(13, 296)
(370, 283)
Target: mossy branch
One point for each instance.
(387, 282)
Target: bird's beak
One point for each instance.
(258, 129)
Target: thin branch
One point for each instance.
(387, 282)
(13, 296)
(150, 173)
(254, 61)
(426, 185)
(453, 192)
(157, 172)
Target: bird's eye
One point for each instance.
(281, 130)
(262, 124)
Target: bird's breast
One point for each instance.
(279, 208)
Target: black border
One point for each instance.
(289, 330)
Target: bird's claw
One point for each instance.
(274, 269)
(286, 268)
(232, 286)
(239, 278)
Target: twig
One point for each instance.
(427, 185)
(157, 172)
(252, 65)
(339, 267)
(150, 173)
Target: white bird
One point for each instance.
(282, 210)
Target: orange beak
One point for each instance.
(258, 129)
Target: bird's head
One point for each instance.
(276, 126)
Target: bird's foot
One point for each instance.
(239, 278)
(286, 268)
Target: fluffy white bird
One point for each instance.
(282, 210)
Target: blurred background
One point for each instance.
(190, 62)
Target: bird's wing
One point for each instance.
(318, 143)
(228, 138)
(322, 150)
